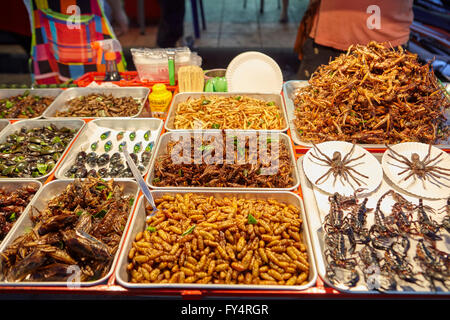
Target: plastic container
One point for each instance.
(128, 79)
(152, 64)
(159, 100)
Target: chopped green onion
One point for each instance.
(207, 147)
(42, 168)
(100, 187)
(109, 195)
(100, 214)
(205, 102)
(215, 126)
(188, 231)
(9, 104)
(251, 219)
(12, 217)
(151, 229)
(271, 103)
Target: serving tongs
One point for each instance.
(137, 175)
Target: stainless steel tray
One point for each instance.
(3, 124)
(162, 149)
(289, 88)
(60, 103)
(39, 202)
(51, 92)
(181, 97)
(75, 124)
(139, 224)
(14, 184)
(317, 206)
(93, 129)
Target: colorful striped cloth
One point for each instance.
(62, 34)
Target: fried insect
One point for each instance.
(202, 239)
(221, 112)
(424, 169)
(33, 152)
(24, 106)
(339, 166)
(81, 226)
(269, 165)
(100, 105)
(372, 94)
(383, 253)
(12, 205)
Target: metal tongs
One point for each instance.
(137, 175)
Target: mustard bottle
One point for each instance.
(159, 100)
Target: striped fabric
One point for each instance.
(61, 39)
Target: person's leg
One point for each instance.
(119, 16)
(284, 11)
(171, 25)
(314, 55)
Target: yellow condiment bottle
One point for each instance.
(159, 100)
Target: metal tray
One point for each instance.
(316, 207)
(181, 97)
(75, 124)
(3, 124)
(139, 223)
(93, 129)
(162, 149)
(14, 184)
(289, 88)
(52, 92)
(138, 93)
(39, 202)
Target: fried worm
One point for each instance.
(372, 94)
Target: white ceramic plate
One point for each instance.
(367, 165)
(425, 188)
(254, 72)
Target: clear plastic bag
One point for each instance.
(152, 64)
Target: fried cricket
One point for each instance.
(372, 94)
